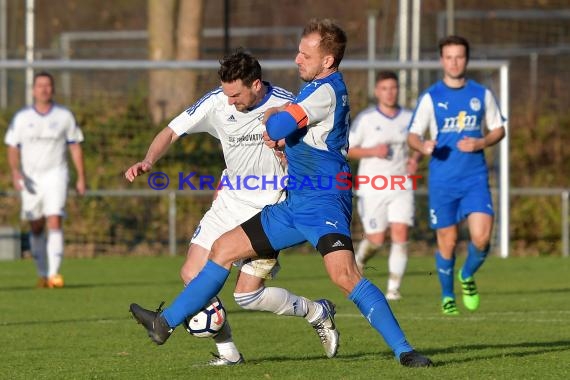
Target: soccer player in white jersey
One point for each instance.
(38, 139)
(454, 110)
(315, 127)
(378, 138)
(233, 114)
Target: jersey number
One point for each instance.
(432, 216)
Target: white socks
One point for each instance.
(54, 251)
(276, 300)
(38, 248)
(397, 262)
(365, 251)
(225, 344)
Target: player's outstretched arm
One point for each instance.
(157, 149)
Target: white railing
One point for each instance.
(173, 196)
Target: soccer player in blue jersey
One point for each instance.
(454, 110)
(233, 113)
(315, 127)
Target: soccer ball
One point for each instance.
(207, 322)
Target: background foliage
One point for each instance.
(112, 107)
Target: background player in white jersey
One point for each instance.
(37, 139)
(315, 127)
(233, 114)
(378, 138)
(454, 110)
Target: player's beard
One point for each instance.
(307, 77)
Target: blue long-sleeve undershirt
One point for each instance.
(280, 125)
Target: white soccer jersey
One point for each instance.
(370, 128)
(43, 138)
(240, 134)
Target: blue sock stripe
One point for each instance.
(196, 294)
(374, 307)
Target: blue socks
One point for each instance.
(374, 307)
(475, 258)
(196, 294)
(444, 269)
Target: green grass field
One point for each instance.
(84, 331)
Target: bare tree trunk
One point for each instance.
(161, 48)
(187, 48)
(174, 34)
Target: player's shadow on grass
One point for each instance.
(373, 271)
(371, 355)
(531, 291)
(526, 349)
(69, 286)
(66, 321)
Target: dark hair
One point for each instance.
(454, 40)
(333, 38)
(239, 65)
(46, 75)
(382, 75)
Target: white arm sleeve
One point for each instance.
(73, 133)
(11, 138)
(355, 135)
(195, 118)
(318, 104)
(424, 118)
(493, 117)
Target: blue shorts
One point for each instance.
(307, 217)
(450, 203)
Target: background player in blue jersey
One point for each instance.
(315, 128)
(233, 113)
(454, 110)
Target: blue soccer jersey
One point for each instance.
(316, 154)
(317, 202)
(451, 115)
(458, 181)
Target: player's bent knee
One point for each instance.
(481, 245)
(221, 253)
(481, 241)
(185, 275)
(345, 281)
(447, 246)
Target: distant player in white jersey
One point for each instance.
(454, 110)
(233, 114)
(378, 138)
(38, 139)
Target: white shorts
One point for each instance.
(378, 210)
(44, 195)
(225, 214)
